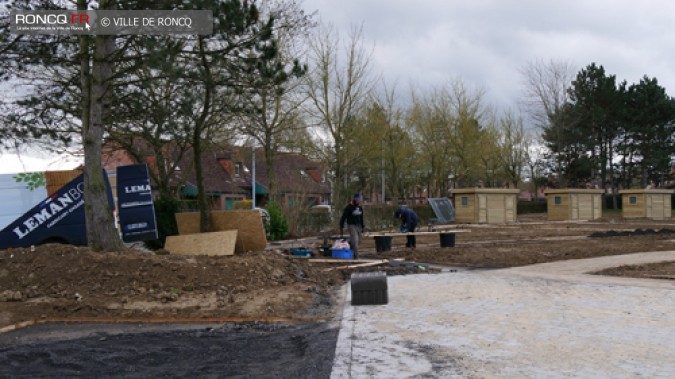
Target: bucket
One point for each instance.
(447, 239)
(342, 253)
(382, 243)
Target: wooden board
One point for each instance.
(248, 223)
(215, 243)
(57, 179)
(414, 233)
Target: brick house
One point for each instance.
(228, 175)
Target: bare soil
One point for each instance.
(259, 314)
(61, 282)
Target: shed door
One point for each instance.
(496, 213)
(597, 206)
(658, 207)
(650, 207)
(574, 207)
(482, 209)
(509, 203)
(585, 205)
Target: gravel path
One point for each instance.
(548, 320)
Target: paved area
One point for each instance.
(548, 320)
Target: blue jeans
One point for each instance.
(355, 236)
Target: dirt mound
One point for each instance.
(62, 281)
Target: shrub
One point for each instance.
(278, 224)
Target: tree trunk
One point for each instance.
(339, 177)
(202, 201)
(97, 91)
(269, 162)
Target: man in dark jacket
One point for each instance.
(353, 214)
(408, 219)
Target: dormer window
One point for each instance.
(238, 168)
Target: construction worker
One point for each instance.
(353, 214)
(408, 219)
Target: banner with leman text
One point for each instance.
(58, 218)
(134, 203)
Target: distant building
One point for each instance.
(485, 205)
(228, 172)
(574, 204)
(647, 203)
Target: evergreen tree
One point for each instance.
(650, 130)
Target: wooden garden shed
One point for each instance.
(485, 205)
(573, 204)
(647, 203)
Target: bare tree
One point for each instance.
(429, 119)
(397, 149)
(546, 93)
(337, 87)
(274, 90)
(513, 147)
(546, 89)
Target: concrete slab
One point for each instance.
(509, 324)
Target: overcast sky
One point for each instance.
(485, 42)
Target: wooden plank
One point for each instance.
(335, 260)
(356, 266)
(413, 233)
(215, 243)
(443, 227)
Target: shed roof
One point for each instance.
(574, 190)
(646, 191)
(508, 191)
